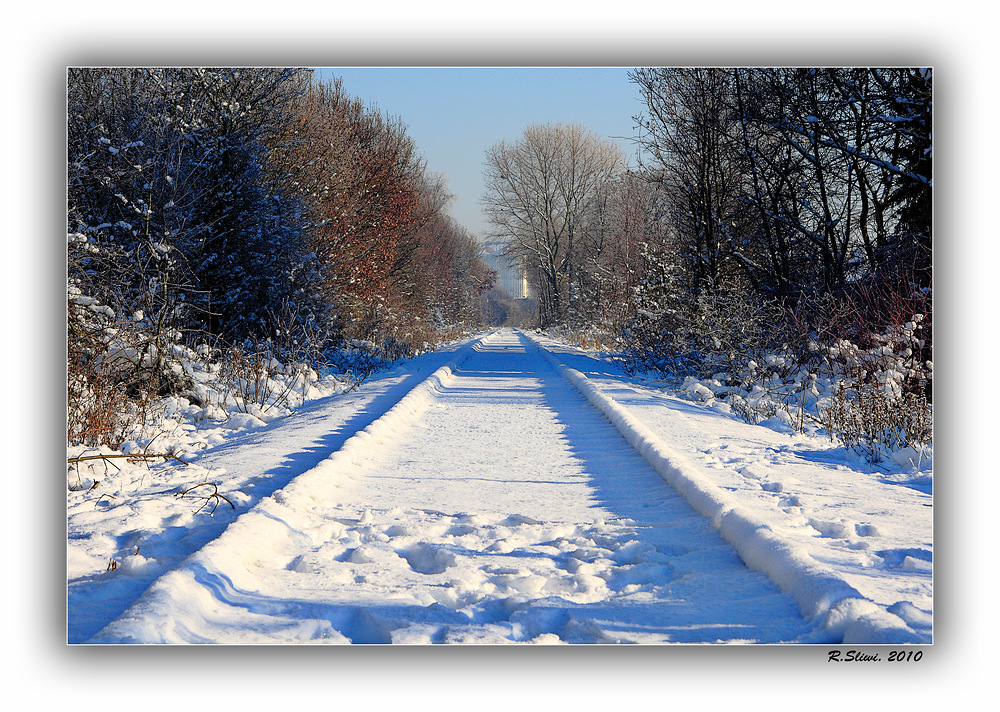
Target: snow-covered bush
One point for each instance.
(857, 365)
(882, 399)
(248, 376)
(108, 374)
(877, 425)
(592, 338)
(875, 399)
(702, 335)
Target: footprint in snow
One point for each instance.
(831, 530)
(427, 559)
(791, 501)
(866, 530)
(917, 559)
(751, 473)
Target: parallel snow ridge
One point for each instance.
(162, 613)
(407, 411)
(819, 592)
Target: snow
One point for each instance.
(810, 530)
(487, 493)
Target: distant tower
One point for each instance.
(512, 273)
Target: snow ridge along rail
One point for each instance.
(153, 618)
(406, 411)
(822, 596)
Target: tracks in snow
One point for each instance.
(490, 504)
(254, 465)
(821, 593)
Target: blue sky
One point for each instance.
(454, 115)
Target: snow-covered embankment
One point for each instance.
(175, 606)
(821, 594)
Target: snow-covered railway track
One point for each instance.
(256, 465)
(822, 594)
(491, 504)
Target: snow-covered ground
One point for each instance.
(488, 493)
(851, 542)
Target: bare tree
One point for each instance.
(539, 191)
(687, 134)
(840, 167)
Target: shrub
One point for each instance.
(710, 334)
(874, 424)
(856, 364)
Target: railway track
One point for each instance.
(492, 503)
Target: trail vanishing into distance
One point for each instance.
(292, 415)
(489, 502)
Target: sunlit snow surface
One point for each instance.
(495, 505)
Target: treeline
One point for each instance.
(806, 191)
(778, 216)
(247, 209)
(782, 183)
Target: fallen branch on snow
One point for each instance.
(130, 458)
(208, 498)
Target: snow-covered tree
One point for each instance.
(167, 181)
